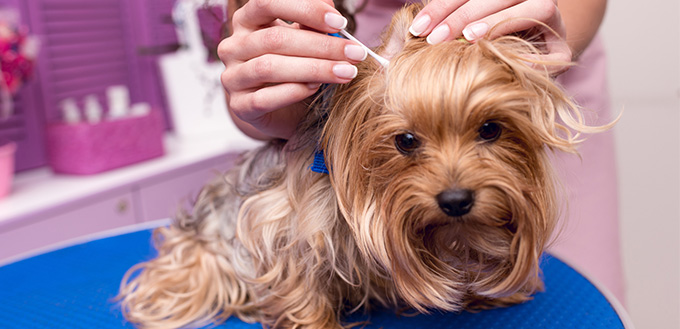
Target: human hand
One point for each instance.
(443, 20)
(272, 66)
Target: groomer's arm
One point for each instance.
(582, 19)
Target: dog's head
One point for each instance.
(440, 165)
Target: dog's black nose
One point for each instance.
(456, 202)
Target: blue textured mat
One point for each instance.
(73, 288)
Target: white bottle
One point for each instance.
(119, 101)
(70, 112)
(93, 109)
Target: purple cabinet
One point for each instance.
(87, 46)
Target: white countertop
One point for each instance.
(40, 189)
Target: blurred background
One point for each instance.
(83, 77)
(643, 44)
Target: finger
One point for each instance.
(552, 63)
(269, 69)
(254, 106)
(558, 55)
(452, 25)
(547, 24)
(299, 43)
(514, 19)
(558, 49)
(320, 15)
(431, 15)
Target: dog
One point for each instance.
(439, 196)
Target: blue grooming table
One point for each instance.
(73, 287)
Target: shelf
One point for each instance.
(39, 191)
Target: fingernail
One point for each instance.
(420, 25)
(475, 31)
(335, 21)
(345, 71)
(355, 53)
(313, 85)
(438, 35)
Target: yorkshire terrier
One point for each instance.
(439, 196)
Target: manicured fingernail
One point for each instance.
(335, 21)
(475, 31)
(313, 85)
(438, 35)
(420, 25)
(355, 53)
(345, 71)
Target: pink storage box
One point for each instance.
(7, 150)
(84, 148)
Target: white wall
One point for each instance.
(643, 43)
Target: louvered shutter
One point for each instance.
(87, 46)
(84, 49)
(25, 125)
(93, 44)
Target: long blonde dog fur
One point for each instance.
(275, 243)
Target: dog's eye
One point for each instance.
(489, 131)
(406, 143)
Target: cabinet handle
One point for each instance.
(122, 206)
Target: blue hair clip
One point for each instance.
(319, 164)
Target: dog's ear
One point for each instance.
(559, 123)
(397, 34)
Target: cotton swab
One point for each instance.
(384, 62)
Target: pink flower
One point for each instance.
(16, 63)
